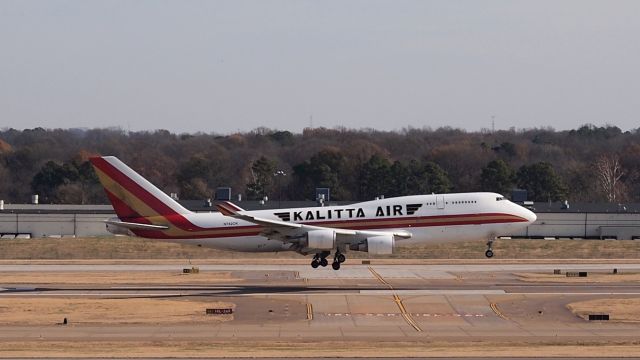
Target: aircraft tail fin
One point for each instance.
(131, 195)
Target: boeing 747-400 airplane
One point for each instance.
(376, 226)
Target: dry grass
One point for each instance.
(359, 349)
(136, 248)
(591, 278)
(115, 278)
(619, 310)
(48, 311)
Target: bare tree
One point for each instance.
(609, 172)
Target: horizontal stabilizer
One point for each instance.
(136, 226)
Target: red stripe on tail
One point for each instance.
(139, 192)
(131, 186)
(123, 210)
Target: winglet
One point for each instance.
(228, 208)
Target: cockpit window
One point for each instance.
(500, 198)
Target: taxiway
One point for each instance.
(360, 302)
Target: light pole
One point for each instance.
(278, 175)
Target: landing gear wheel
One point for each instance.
(340, 258)
(323, 262)
(489, 252)
(315, 263)
(335, 265)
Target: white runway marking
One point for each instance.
(432, 292)
(399, 314)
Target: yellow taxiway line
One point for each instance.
(497, 311)
(309, 311)
(407, 317)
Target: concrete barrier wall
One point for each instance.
(52, 224)
(584, 225)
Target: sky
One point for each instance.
(228, 66)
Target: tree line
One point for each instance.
(586, 164)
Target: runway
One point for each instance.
(450, 303)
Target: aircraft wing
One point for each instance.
(282, 230)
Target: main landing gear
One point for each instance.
(320, 259)
(489, 252)
(338, 259)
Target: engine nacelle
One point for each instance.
(376, 245)
(321, 239)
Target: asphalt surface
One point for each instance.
(457, 303)
(374, 358)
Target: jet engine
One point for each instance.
(321, 239)
(377, 245)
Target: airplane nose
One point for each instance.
(530, 216)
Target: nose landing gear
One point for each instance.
(489, 252)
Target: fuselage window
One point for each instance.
(500, 198)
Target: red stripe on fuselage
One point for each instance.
(391, 223)
(513, 218)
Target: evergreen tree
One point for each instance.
(375, 178)
(50, 177)
(262, 173)
(436, 179)
(193, 176)
(498, 177)
(541, 182)
(325, 169)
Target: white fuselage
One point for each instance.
(433, 218)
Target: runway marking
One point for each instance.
(309, 311)
(399, 314)
(407, 317)
(497, 311)
(379, 277)
(433, 292)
